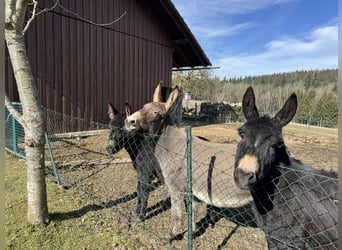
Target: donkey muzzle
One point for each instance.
(246, 171)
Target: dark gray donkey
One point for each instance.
(212, 166)
(295, 205)
(139, 148)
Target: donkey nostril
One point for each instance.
(251, 178)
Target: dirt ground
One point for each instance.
(110, 183)
(317, 147)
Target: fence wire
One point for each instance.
(109, 183)
(14, 136)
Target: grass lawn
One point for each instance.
(313, 129)
(71, 226)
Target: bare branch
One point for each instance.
(48, 9)
(34, 13)
(14, 112)
(89, 21)
(57, 3)
(35, 3)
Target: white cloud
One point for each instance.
(319, 40)
(215, 19)
(200, 8)
(203, 16)
(211, 31)
(319, 50)
(214, 22)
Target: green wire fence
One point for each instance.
(108, 183)
(15, 137)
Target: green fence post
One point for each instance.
(189, 184)
(14, 134)
(53, 161)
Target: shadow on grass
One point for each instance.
(241, 216)
(152, 211)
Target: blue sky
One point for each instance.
(249, 37)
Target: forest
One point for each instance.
(316, 91)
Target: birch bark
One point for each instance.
(33, 118)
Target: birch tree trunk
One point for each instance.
(33, 119)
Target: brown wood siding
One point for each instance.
(79, 67)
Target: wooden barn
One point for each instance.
(87, 53)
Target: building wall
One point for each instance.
(80, 66)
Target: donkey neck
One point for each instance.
(293, 177)
(263, 190)
(305, 175)
(133, 144)
(168, 123)
(171, 137)
(171, 130)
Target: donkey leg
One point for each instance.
(139, 200)
(144, 198)
(193, 220)
(176, 216)
(143, 194)
(194, 213)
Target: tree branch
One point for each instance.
(48, 9)
(20, 10)
(15, 14)
(89, 21)
(14, 112)
(9, 14)
(35, 3)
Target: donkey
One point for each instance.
(295, 205)
(138, 147)
(212, 170)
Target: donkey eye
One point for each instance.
(241, 133)
(277, 145)
(157, 114)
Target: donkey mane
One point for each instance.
(316, 179)
(298, 165)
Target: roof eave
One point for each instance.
(188, 52)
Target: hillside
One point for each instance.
(316, 91)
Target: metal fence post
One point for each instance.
(14, 136)
(58, 180)
(189, 184)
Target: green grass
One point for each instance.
(71, 226)
(313, 129)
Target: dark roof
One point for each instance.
(188, 52)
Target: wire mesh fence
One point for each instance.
(112, 182)
(14, 139)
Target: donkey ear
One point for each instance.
(173, 97)
(248, 104)
(128, 109)
(111, 111)
(157, 95)
(288, 111)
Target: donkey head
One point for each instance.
(117, 132)
(154, 115)
(261, 147)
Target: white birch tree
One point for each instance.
(32, 118)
